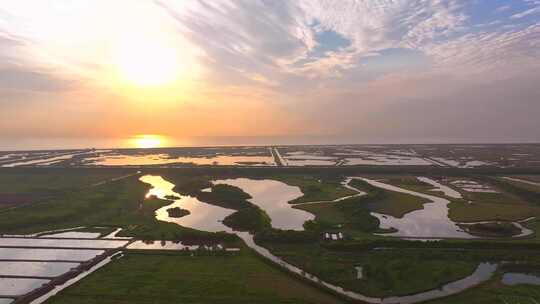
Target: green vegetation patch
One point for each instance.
(226, 196)
(387, 202)
(20, 186)
(385, 272)
(494, 229)
(177, 212)
(168, 278)
(248, 219)
(316, 188)
(42, 181)
(462, 211)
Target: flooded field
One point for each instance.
(27, 262)
(75, 234)
(60, 243)
(35, 269)
(458, 156)
(19, 286)
(78, 255)
(164, 159)
(512, 278)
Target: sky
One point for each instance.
(366, 70)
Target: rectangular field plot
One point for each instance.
(58, 243)
(34, 269)
(78, 255)
(15, 287)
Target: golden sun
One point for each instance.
(147, 62)
(147, 141)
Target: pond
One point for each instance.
(513, 278)
(273, 197)
(203, 216)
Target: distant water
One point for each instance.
(58, 143)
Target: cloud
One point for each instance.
(26, 80)
(528, 12)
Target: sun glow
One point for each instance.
(147, 141)
(147, 62)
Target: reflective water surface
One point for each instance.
(259, 191)
(75, 235)
(440, 187)
(431, 221)
(512, 278)
(9, 286)
(78, 255)
(35, 269)
(59, 243)
(202, 216)
(273, 197)
(163, 159)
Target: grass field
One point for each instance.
(386, 272)
(389, 202)
(45, 181)
(314, 188)
(477, 211)
(161, 278)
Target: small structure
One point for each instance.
(359, 272)
(333, 236)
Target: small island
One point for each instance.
(492, 229)
(177, 212)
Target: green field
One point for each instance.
(162, 278)
(386, 272)
(388, 202)
(315, 188)
(29, 181)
